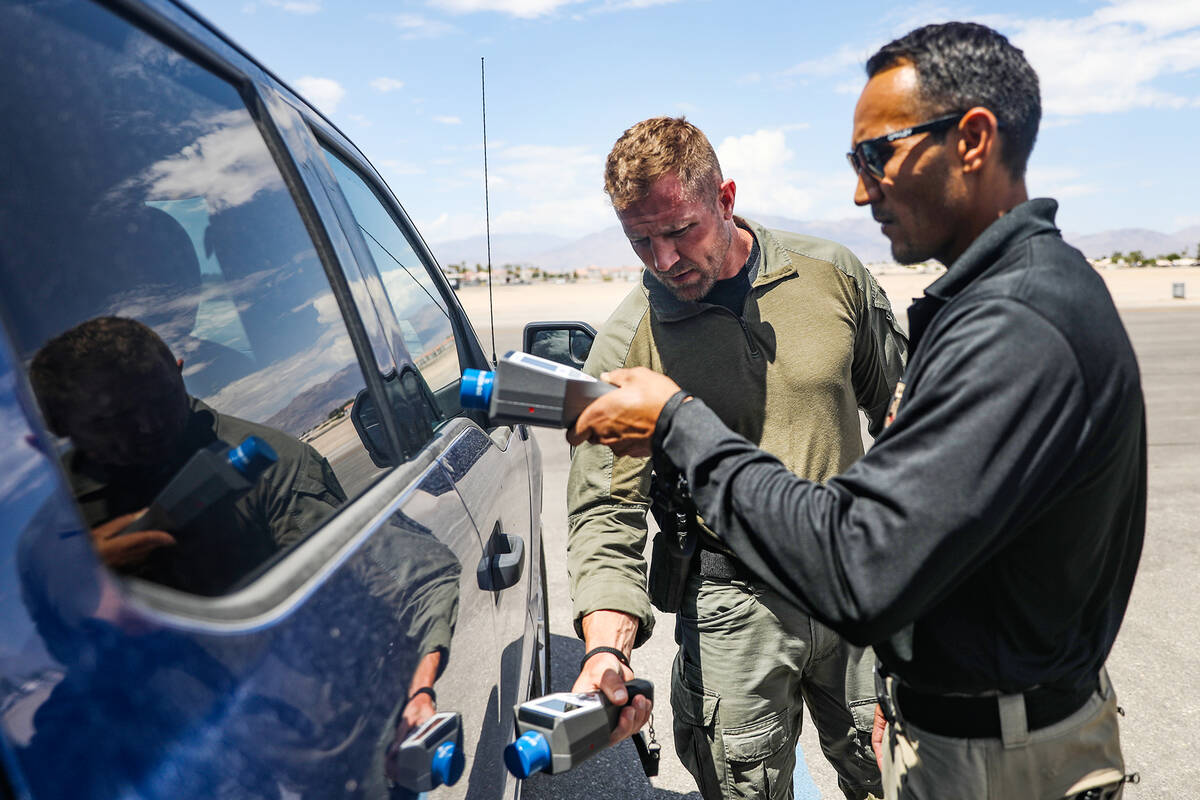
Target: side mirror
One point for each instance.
(566, 343)
(365, 416)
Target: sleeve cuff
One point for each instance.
(664, 419)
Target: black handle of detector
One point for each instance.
(639, 686)
(648, 752)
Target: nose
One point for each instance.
(867, 189)
(665, 254)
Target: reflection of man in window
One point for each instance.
(114, 388)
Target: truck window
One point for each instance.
(421, 312)
(159, 283)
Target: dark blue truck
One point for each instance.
(190, 256)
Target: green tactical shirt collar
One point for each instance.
(773, 264)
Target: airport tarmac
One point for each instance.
(1156, 653)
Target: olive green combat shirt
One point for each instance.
(816, 341)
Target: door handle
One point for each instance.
(503, 564)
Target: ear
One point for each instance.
(179, 363)
(977, 139)
(725, 196)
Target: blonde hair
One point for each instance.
(656, 147)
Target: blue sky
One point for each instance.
(773, 84)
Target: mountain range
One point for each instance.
(609, 247)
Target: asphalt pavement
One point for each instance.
(1156, 654)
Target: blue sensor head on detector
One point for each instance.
(448, 764)
(475, 391)
(530, 753)
(252, 457)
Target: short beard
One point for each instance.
(693, 293)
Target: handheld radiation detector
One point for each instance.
(561, 730)
(212, 475)
(531, 390)
(430, 756)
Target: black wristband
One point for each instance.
(664, 419)
(624, 659)
(424, 690)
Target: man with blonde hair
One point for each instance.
(786, 337)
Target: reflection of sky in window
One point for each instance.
(389, 247)
(420, 308)
(261, 394)
(227, 165)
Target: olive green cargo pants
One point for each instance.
(747, 663)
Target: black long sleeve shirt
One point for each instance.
(989, 539)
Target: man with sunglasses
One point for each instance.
(987, 543)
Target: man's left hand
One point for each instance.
(624, 419)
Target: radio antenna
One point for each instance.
(487, 210)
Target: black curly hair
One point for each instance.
(961, 65)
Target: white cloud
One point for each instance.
(830, 65)
(417, 26)
(227, 164)
(296, 6)
(396, 167)
(626, 5)
(526, 9)
(1164, 16)
(758, 163)
(386, 85)
(1112, 60)
(534, 189)
(324, 93)
(1058, 182)
(448, 120)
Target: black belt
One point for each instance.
(720, 566)
(979, 717)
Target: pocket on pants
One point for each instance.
(719, 607)
(695, 717)
(692, 705)
(760, 739)
(863, 712)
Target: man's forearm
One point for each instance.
(608, 628)
(426, 672)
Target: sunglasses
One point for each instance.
(872, 155)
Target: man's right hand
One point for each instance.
(604, 672)
(119, 550)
